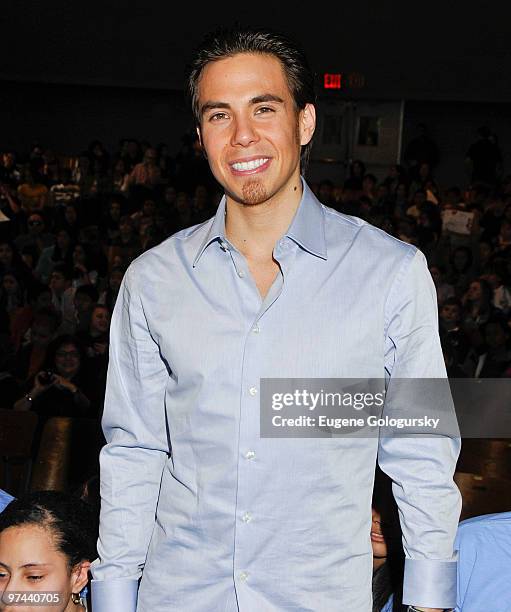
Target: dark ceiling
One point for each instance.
(414, 50)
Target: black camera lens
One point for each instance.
(46, 377)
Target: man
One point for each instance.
(63, 293)
(209, 514)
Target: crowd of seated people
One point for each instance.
(465, 234)
(70, 226)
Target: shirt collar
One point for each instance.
(307, 228)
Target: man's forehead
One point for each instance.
(243, 75)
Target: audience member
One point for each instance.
(47, 538)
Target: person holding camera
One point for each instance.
(57, 388)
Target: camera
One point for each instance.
(46, 377)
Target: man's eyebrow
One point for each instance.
(207, 106)
(266, 98)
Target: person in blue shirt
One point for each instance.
(199, 511)
(484, 563)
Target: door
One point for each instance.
(346, 130)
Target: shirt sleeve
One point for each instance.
(132, 461)
(421, 467)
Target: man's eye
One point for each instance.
(264, 109)
(35, 577)
(217, 116)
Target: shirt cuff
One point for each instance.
(429, 583)
(115, 595)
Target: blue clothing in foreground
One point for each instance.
(484, 563)
(207, 513)
(5, 499)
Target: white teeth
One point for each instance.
(251, 165)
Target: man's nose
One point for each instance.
(244, 132)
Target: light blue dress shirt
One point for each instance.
(484, 563)
(206, 513)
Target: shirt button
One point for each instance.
(241, 274)
(252, 391)
(255, 329)
(243, 576)
(249, 455)
(247, 517)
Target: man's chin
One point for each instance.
(252, 192)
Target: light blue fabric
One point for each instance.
(388, 606)
(484, 566)
(5, 499)
(194, 501)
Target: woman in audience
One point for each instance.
(61, 388)
(47, 543)
(477, 303)
(96, 341)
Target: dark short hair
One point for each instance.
(452, 301)
(65, 269)
(227, 42)
(47, 316)
(89, 290)
(57, 343)
(70, 520)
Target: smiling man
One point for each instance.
(199, 512)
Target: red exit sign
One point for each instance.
(332, 81)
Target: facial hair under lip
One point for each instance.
(254, 192)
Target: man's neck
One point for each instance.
(255, 229)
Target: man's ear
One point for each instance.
(307, 123)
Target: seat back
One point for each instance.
(17, 430)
